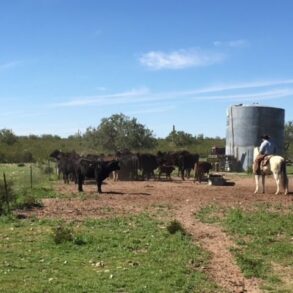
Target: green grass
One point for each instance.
(290, 170)
(29, 180)
(134, 254)
(263, 238)
(209, 214)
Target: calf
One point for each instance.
(201, 168)
(167, 170)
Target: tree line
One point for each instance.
(115, 133)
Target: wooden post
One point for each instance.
(6, 192)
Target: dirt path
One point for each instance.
(222, 267)
(169, 200)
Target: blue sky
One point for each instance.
(66, 64)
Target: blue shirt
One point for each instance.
(267, 148)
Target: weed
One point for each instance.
(62, 234)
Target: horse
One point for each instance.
(276, 166)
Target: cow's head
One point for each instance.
(114, 165)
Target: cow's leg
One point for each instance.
(182, 174)
(80, 181)
(256, 177)
(99, 185)
(200, 175)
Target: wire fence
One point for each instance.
(28, 176)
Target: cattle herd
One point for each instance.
(127, 166)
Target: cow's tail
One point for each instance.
(284, 177)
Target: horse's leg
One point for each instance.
(256, 177)
(263, 181)
(277, 179)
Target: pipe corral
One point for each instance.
(246, 124)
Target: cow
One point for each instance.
(65, 164)
(167, 170)
(128, 166)
(184, 160)
(98, 169)
(200, 169)
(147, 163)
(110, 157)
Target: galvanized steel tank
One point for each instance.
(246, 124)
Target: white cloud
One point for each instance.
(265, 95)
(232, 44)
(9, 65)
(118, 98)
(238, 86)
(150, 110)
(261, 90)
(179, 59)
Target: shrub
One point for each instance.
(175, 226)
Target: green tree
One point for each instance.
(180, 138)
(120, 132)
(289, 139)
(7, 136)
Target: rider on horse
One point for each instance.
(266, 148)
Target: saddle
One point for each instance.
(265, 163)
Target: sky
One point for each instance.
(66, 64)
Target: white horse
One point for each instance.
(277, 167)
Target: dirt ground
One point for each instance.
(174, 199)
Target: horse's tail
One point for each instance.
(284, 177)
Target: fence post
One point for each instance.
(31, 176)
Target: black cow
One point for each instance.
(147, 163)
(186, 163)
(65, 164)
(99, 168)
(128, 166)
(184, 160)
(200, 169)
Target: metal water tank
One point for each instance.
(246, 124)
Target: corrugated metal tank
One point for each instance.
(246, 124)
